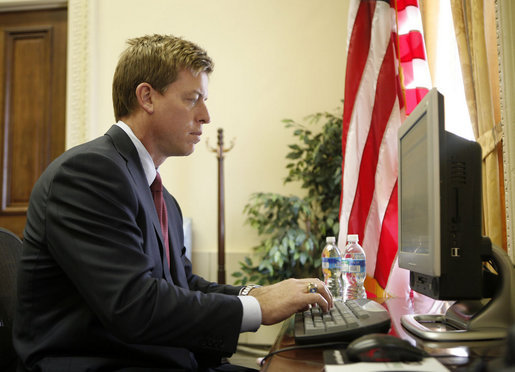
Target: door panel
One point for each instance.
(32, 104)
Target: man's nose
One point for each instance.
(203, 114)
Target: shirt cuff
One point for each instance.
(251, 314)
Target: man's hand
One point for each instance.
(281, 300)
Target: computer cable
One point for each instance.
(307, 346)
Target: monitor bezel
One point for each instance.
(431, 109)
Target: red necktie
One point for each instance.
(157, 194)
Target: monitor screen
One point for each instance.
(418, 229)
(440, 238)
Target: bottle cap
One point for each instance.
(330, 239)
(353, 238)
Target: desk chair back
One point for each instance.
(10, 251)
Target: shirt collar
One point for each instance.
(145, 158)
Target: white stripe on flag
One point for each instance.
(418, 72)
(409, 20)
(385, 178)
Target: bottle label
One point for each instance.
(330, 263)
(353, 266)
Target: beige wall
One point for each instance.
(274, 59)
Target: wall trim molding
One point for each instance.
(78, 72)
(20, 5)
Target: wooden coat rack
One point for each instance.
(220, 150)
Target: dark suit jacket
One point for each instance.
(95, 290)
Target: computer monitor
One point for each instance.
(440, 206)
(440, 233)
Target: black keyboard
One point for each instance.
(344, 322)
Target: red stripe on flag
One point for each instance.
(386, 91)
(402, 4)
(357, 57)
(413, 97)
(388, 242)
(411, 45)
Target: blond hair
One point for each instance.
(156, 60)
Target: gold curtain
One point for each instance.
(474, 25)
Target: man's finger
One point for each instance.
(324, 291)
(317, 298)
(320, 288)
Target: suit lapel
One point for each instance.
(126, 148)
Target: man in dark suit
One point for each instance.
(102, 286)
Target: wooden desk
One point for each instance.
(452, 355)
(305, 360)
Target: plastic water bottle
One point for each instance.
(353, 269)
(331, 267)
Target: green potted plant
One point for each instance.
(293, 228)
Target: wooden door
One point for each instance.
(32, 104)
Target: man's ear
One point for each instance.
(144, 95)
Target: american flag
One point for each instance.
(374, 108)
